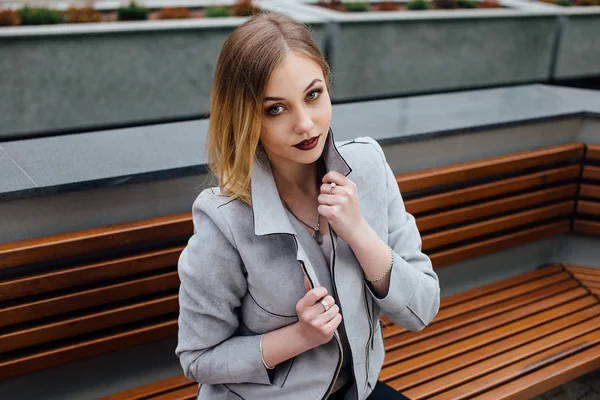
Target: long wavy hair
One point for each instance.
(248, 57)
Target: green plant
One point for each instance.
(586, 3)
(244, 8)
(82, 14)
(39, 16)
(564, 3)
(174, 13)
(216, 12)
(357, 7)
(9, 18)
(418, 5)
(132, 12)
(467, 3)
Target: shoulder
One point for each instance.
(359, 145)
(362, 153)
(214, 212)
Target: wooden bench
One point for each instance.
(512, 339)
(587, 220)
(128, 274)
(72, 296)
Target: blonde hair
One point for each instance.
(248, 57)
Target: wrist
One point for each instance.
(361, 236)
(304, 344)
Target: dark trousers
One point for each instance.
(381, 392)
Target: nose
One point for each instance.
(304, 122)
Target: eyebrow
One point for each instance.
(281, 98)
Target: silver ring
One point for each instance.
(325, 305)
(333, 185)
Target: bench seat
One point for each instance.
(512, 339)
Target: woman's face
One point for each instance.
(297, 107)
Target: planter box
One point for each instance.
(579, 49)
(74, 77)
(379, 54)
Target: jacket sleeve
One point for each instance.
(413, 299)
(212, 285)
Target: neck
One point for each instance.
(302, 180)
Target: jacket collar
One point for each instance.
(268, 211)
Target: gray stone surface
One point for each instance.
(420, 56)
(579, 52)
(12, 177)
(586, 387)
(116, 154)
(418, 132)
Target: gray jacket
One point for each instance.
(242, 273)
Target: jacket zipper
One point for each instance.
(339, 305)
(371, 334)
(337, 339)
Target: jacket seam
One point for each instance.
(270, 312)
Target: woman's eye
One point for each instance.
(314, 94)
(275, 110)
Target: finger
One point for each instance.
(312, 296)
(307, 286)
(327, 316)
(318, 308)
(334, 323)
(329, 200)
(334, 176)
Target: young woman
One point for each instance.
(304, 243)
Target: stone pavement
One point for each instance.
(586, 387)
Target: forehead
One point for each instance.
(295, 72)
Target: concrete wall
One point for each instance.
(386, 58)
(579, 51)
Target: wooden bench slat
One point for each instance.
(586, 227)
(588, 207)
(581, 269)
(546, 322)
(514, 352)
(506, 222)
(446, 302)
(494, 328)
(153, 389)
(592, 152)
(591, 173)
(92, 240)
(589, 191)
(569, 290)
(446, 373)
(88, 323)
(547, 378)
(490, 190)
(72, 277)
(88, 298)
(77, 351)
(494, 207)
(186, 393)
(499, 243)
(471, 170)
(520, 368)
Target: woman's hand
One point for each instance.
(341, 206)
(315, 325)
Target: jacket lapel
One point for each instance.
(270, 216)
